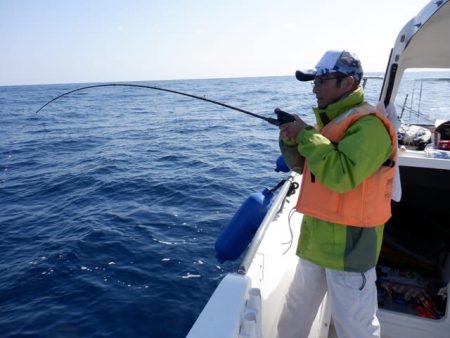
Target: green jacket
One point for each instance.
(365, 146)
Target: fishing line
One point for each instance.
(282, 117)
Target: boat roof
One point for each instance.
(424, 42)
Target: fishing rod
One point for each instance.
(282, 117)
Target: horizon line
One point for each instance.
(190, 79)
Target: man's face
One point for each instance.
(326, 89)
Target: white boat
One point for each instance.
(248, 303)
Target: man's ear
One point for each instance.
(349, 82)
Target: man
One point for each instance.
(345, 198)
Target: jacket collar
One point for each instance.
(354, 99)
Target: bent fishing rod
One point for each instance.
(282, 117)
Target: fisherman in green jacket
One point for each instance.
(338, 254)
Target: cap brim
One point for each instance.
(305, 75)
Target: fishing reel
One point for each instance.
(282, 117)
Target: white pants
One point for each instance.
(353, 299)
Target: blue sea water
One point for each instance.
(112, 198)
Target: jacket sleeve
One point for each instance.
(341, 167)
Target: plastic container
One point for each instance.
(281, 165)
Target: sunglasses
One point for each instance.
(320, 81)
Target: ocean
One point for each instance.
(112, 198)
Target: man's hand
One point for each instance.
(289, 131)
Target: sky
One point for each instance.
(82, 41)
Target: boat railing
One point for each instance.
(370, 77)
(273, 211)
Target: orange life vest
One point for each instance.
(368, 204)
